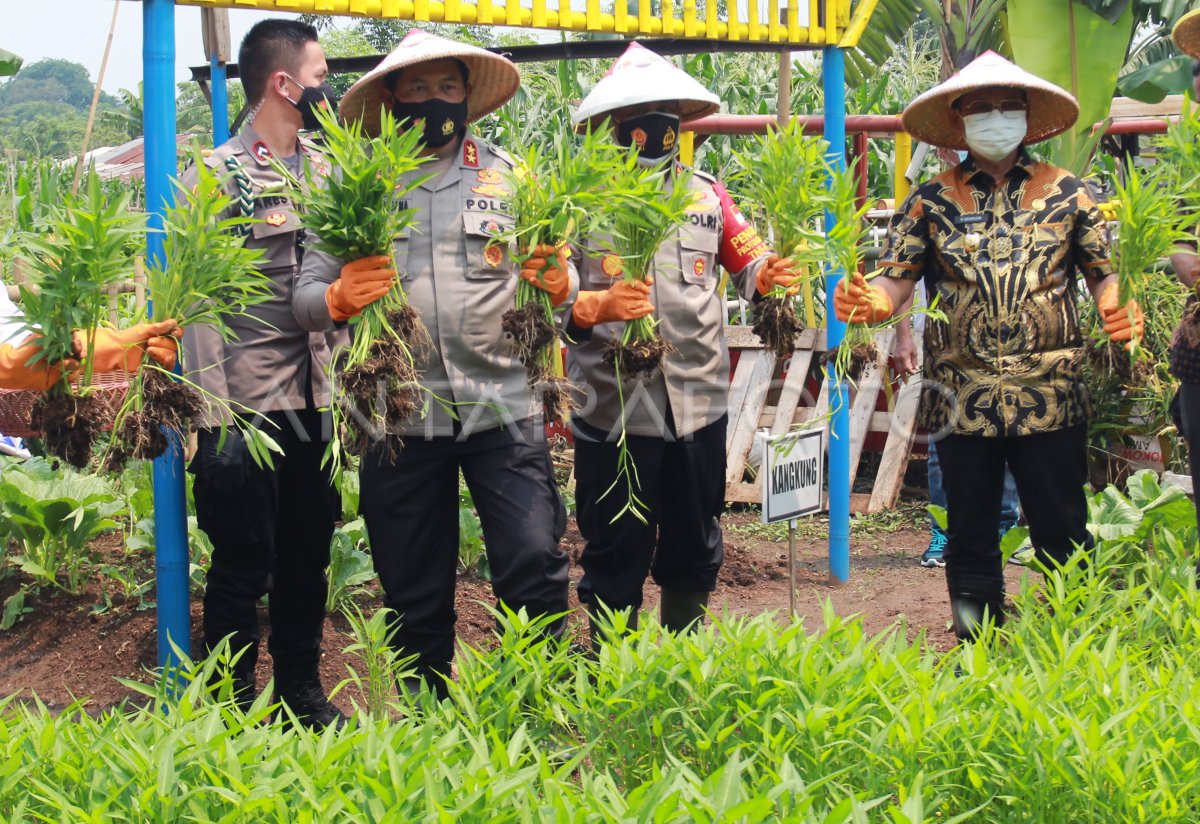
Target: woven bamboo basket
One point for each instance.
(16, 405)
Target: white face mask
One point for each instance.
(995, 135)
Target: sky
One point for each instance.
(77, 30)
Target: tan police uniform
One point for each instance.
(462, 285)
(270, 528)
(676, 418)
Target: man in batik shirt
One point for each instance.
(1000, 240)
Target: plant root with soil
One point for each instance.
(383, 391)
(530, 332)
(69, 425)
(637, 358)
(168, 406)
(776, 323)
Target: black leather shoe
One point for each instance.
(308, 701)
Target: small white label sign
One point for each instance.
(792, 472)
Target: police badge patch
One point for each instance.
(493, 255)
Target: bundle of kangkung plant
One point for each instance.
(204, 277)
(72, 269)
(1149, 228)
(844, 242)
(356, 211)
(782, 177)
(557, 193)
(649, 206)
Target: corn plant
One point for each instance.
(356, 210)
(782, 176)
(72, 268)
(205, 276)
(557, 193)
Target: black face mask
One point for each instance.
(311, 99)
(443, 121)
(655, 134)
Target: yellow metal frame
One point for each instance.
(683, 21)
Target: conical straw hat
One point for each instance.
(1186, 33)
(641, 76)
(494, 79)
(931, 118)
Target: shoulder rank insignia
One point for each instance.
(470, 154)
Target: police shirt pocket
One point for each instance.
(486, 258)
(697, 256)
(274, 230)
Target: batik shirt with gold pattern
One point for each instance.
(1002, 261)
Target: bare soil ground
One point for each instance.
(61, 651)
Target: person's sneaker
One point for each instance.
(311, 705)
(934, 556)
(1023, 555)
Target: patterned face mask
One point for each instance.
(995, 135)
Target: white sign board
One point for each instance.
(792, 473)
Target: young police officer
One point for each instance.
(676, 420)
(270, 529)
(461, 284)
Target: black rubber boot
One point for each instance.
(300, 690)
(682, 611)
(969, 610)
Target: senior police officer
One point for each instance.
(675, 420)
(270, 528)
(1000, 239)
(480, 415)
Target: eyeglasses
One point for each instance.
(1008, 108)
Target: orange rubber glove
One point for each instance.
(547, 270)
(857, 301)
(122, 350)
(1121, 323)
(621, 301)
(778, 272)
(14, 374)
(362, 282)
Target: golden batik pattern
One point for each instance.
(1002, 260)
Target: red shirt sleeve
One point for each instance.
(740, 244)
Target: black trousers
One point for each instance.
(272, 535)
(411, 511)
(1189, 424)
(1050, 470)
(682, 484)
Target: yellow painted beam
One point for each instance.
(679, 18)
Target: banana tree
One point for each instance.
(1154, 67)
(1080, 47)
(966, 29)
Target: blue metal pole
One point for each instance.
(220, 102)
(833, 71)
(170, 504)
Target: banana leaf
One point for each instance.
(9, 63)
(1150, 84)
(1066, 43)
